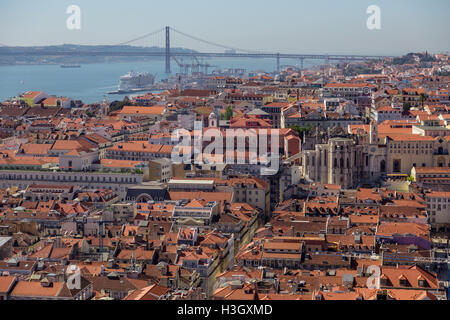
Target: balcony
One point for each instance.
(440, 152)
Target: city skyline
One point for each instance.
(316, 28)
(229, 158)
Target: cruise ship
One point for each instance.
(135, 82)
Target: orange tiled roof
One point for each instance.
(391, 228)
(153, 110)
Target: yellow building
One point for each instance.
(33, 98)
(408, 151)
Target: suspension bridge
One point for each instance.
(168, 54)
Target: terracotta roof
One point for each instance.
(208, 196)
(391, 228)
(35, 149)
(153, 292)
(6, 283)
(35, 289)
(153, 110)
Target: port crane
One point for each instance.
(195, 66)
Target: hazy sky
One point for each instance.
(296, 26)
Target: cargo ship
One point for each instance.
(70, 66)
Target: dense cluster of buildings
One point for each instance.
(348, 200)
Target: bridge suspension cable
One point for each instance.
(141, 37)
(214, 43)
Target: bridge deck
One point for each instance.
(191, 54)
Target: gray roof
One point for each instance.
(258, 112)
(4, 240)
(347, 278)
(156, 193)
(432, 128)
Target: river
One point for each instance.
(91, 82)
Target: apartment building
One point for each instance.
(408, 151)
(359, 93)
(139, 151)
(195, 211)
(160, 170)
(435, 178)
(115, 181)
(438, 210)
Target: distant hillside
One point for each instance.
(85, 48)
(411, 58)
(32, 55)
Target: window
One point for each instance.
(397, 166)
(383, 166)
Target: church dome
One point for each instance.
(212, 116)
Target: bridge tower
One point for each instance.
(167, 49)
(278, 62)
(302, 60)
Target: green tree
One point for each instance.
(228, 113)
(302, 131)
(406, 107)
(118, 105)
(423, 98)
